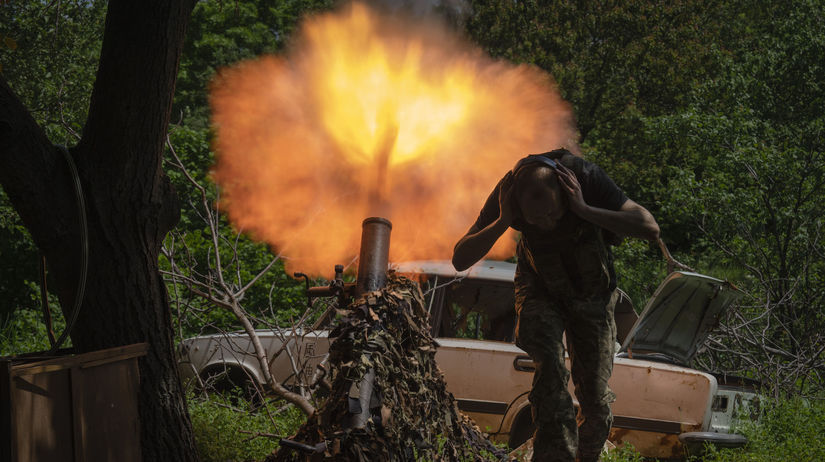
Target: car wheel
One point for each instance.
(522, 428)
(226, 380)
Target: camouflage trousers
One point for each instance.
(590, 328)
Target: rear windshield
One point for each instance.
(473, 308)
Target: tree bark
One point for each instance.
(130, 206)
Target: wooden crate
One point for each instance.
(71, 408)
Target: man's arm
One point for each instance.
(630, 220)
(478, 241)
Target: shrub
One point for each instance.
(624, 454)
(787, 430)
(25, 332)
(221, 424)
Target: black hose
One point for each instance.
(84, 250)
(44, 302)
(501, 424)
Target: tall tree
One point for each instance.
(130, 205)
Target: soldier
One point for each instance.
(568, 212)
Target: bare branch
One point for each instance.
(217, 290)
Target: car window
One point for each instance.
(476, 309)
(460, 307)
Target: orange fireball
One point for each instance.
(370, 114)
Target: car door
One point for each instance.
(474, 324)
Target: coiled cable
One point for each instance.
(84, 251)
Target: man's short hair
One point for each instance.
(530, 177)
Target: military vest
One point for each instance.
(572, 259)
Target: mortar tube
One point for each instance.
(366, 388)
(373, 259)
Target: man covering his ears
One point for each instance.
(568, 212)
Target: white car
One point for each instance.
(662, 403)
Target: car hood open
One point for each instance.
(679, 316)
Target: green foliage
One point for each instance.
(48, 56)
(18, 261)
(639, 270)
(52, 67)
(787, 430)
(223, 33)
(25, 332)
(752, 181)
(623, 454)
(609, 59)
(219, 423)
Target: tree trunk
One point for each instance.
(130, 206)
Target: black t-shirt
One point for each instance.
(598, 190)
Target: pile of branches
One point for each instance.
(410, 414)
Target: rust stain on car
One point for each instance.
(673, 444)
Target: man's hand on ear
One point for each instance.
(570, 184)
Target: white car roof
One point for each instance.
(491, 270)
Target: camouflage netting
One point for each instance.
(411, 414)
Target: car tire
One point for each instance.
(226, 379)
(522, 428)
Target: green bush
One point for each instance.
(25, 332)
(623, 454)
(220, 423)
(787, 430)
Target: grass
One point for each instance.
(25, 332)
(227, 429)
(788, 430)
(623, 454)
